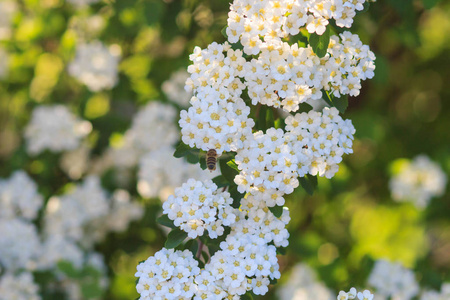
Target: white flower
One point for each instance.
(19, 244)
(19, 287)
(393, 280)
(197, 206)
(95, 65)
(303, 285)
(54, 128)
(418, 181)
(169, 274)
(19, 197)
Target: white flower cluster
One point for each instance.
(313, 144)
(354, 294)
(168, 274)
(153, 127)
(174, 88)
(160, 173)
(54, 128)
(18, 287)
(286, 76)
(254, 20)
(85, 214)
(218, 118)
(434, 295)
(19, 197)
(197, 206)
(256, 219)
(95, 65)
(418, 181)
(393, 280)
(19, 244)
(245, 262)
(302, 285)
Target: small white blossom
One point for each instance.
(393, 280)
(54, 128)
(418, 181)
(96, 65)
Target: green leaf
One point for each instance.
(319, 43)
(192, 245)
(304, 107)
(313, 180)
(224, 32)
(237, 197)
(341, 103)
(68, 269)
(175, 237)
(279, 123)
(307, 185)
(269, 118)
(262, 118)
(232, 164)
(281, 250)
(247, 296)
(277, 211)
(220, 181)
(202, 159)
(165, 221)
(191, 154)
(205, 256)
(273, 281)
(227, 171)
(181, 150)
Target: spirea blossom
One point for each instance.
(245, 262)
(393, 280)
(252, 21)
(160, 173)
(168, 274)
(153, 127)
(19, 197)
(286, 75)
(174, 88)
(197, 206)
(57, 248)
(19, 244)
(95, 65)
(303, 285)
(313, 144)
(257, 219)
(444, 294)
(69, 215)
(218, 117)
(354, 294)
(54, 128)
(18, 287)
(418, 181)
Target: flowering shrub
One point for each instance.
(91, 92)
(240, 90)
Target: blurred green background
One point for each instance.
(350, 220)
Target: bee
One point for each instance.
(211, 159)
